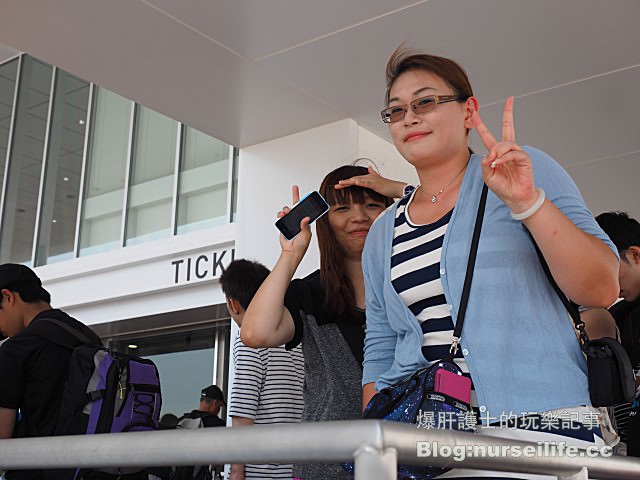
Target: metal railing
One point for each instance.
(375, 447)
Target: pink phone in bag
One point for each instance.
(452, 384)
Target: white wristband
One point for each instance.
(532, 209)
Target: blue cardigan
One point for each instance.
(518, 339)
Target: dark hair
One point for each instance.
(30, 293)
(241, 280)
(19, 278)
(623, 230)
(405, 59)
(338, 289)
(168, 421)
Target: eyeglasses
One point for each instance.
(419, 106)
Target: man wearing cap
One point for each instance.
(33, 369)
(211, 402)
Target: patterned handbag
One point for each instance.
(416, 400)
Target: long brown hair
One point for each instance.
(338, 289)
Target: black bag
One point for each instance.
(199, 472)
(105, 391)
(193, 421)
(611, 377)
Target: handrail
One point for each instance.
(376, 446)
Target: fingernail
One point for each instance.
(493, 164)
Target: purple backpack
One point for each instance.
(105, 391)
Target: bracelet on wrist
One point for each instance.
(532, 209)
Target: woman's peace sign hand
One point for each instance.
(297, 245)
(507, 169)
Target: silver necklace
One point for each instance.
(434, 197)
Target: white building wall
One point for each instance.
(265, 176)
(268, 170)
(169, 275)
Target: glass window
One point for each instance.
(202, 187)
(192, 351)
(152, 177)
(25, 163)
(101, 224)
(144, 175)
(180, 392)
(8, 73)
(63, 170)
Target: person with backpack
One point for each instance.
(211, 402)
(33, 369)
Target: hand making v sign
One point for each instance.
(507, 169)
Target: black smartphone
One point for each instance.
(312, 206)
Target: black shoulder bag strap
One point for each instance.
(61, 334)
(464, 299)
(571, 307)
(622, 385)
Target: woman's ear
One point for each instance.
(470, 105)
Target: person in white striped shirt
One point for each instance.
(267, 386)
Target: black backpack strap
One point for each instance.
(60, 333)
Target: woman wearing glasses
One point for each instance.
(325, 310)
(517, 343)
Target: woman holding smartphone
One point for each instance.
(517, 343)
(325, 310)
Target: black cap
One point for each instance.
(213, 392)
(14, 274)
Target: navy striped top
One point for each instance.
(415, 275)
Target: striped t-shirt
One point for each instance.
(267, 388)
(415, 275)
